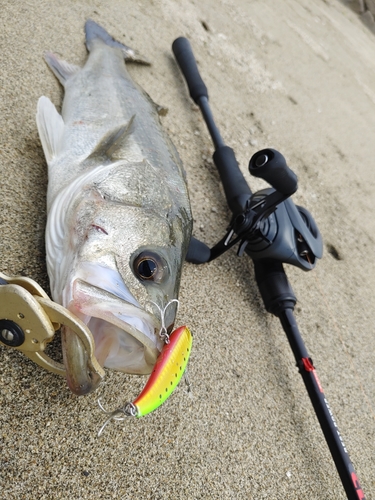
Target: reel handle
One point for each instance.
(270, 165)
(185, 58)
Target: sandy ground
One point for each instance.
(298, 76)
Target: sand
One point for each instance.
(297, 76)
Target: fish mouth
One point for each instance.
(126, 336)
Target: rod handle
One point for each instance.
(236, 189)
(274, 287)
(185, 58)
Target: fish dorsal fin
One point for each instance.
(112, 140)
(61, 69)
(50, 127)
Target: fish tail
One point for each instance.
(95, 32)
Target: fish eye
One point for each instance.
(148, 266)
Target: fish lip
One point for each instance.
(83, 380)
(91, 302)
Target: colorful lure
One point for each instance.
(168, 370)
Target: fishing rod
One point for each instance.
(272, 230)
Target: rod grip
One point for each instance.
(185, 58)
(236, 189)
(274, 287)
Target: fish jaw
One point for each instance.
(126, 335)
(80, 379)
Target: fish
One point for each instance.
(119, 218)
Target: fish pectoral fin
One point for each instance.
(50, 127)
(61, 69)
(112, 141)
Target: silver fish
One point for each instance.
(119, 218)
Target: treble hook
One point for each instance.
(129, 410)
(163, 333)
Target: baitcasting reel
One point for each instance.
(266, 224)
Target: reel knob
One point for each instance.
(270, 165)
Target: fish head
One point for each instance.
(119, 272)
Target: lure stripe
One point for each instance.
(167, 372)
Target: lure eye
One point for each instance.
(149, 266)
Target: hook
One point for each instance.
(163, 334)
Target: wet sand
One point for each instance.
(297, 76)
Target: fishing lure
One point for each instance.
(168, 370)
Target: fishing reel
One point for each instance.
(266, 224)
